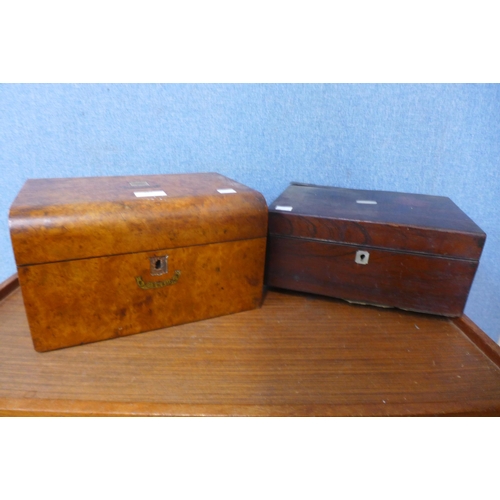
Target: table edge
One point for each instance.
(9, 286)
(480, 339)
(89, 408)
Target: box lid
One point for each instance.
(399, 221)
(65, 219)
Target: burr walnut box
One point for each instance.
(410, 251)
(105, 257)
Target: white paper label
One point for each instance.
(226, 191)
(147, 194)
(281, 207)
(366, 202)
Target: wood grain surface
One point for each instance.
(8, 286)
(81, 301)
(52, 220)
(416, 282)
(80, 245)
(423, 250)
(400, 221)
(298, 355)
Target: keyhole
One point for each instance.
(362, 257)
(158, 265)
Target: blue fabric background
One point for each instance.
(432, 139)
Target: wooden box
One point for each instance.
(410, 251)
(105, 257)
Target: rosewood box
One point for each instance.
(105, 257)
(410, 251)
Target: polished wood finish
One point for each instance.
(399, 221)
(476, 335)
(8, 286)
(83, 249)
(298, 355)
(80, 301)
(52, 220)
(414, 282)
(423, 250)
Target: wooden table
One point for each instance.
(297, 355)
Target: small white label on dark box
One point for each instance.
(226, 191)
(366, 202)
(282, 207)
(147, 194)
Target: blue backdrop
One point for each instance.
(432, 139)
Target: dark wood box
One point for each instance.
(414, 252)
(105, 257)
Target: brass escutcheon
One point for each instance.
(150, 285)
